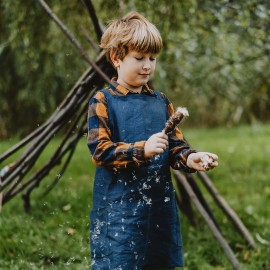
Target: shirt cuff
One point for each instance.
(138, 150)
(138, 153)
(182, 163)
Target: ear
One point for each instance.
(115, 60)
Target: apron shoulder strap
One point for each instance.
(164, 99)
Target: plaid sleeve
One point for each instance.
(104, 151)
(178, 147)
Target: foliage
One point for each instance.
(215, 58)
(36, 62)
(55, 235)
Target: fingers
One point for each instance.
(213, 156)
(196, 166)
(214, 164)
(156, 144)
(200, 167)
(162, 141)
(161, 135)
(211, 163)
(202, 161)
(159, 150)
(161, 145)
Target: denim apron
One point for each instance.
(134, 220)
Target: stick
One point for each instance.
(1, 196)
(200, 197)
(22, 143)
(175, 119)
(84, 79)
(186, 206)
(75, 97)
(227, 209)
(90, 40)
(226, 248)
(91, 10)
(74, 40)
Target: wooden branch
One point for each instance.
(56, 123)
(91, 10)
(62, 171)
(35, 179)
(83, 82)
(1, 196)
(90, 40)
(121, 8)
(22, 143)
(25, 163)
(28, 159)
(72, 147)
(224, 245)
(74, 41)
(78, 95)
(186, 206)
(200, 196)
(84, 79)
(231, 214)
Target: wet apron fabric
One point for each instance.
(134, 220)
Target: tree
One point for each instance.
(217, 49)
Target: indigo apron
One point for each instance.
(134, 220)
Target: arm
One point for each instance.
(178, 148)
(179, 152)
(187, 159)
(104, 151)
(182, 156)
(202, 161)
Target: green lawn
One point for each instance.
(55, 234)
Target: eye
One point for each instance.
(152, 58)
(139, 58)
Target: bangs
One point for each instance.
(145, 40)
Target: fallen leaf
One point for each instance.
(71, 231)
(246, 256)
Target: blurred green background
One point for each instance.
(215, 59)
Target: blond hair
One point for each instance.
(133, 32)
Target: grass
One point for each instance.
(55, 234)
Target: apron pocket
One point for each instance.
(98, 233)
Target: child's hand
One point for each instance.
(202, 161)
(156, 144)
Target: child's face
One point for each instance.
(135, 69)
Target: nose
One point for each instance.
(147, 64)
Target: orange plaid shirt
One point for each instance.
(105, 152)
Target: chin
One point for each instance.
(143, 82)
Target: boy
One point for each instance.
(134, 220)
